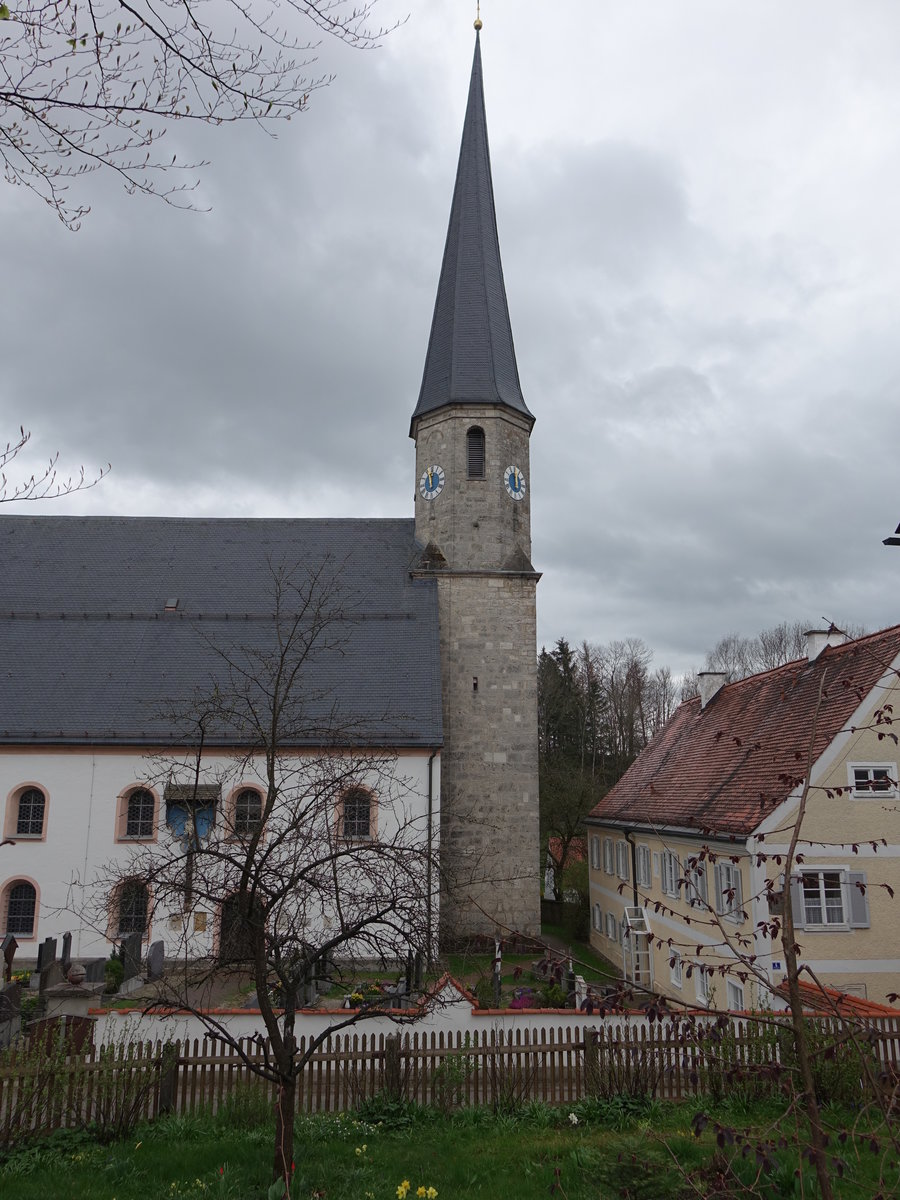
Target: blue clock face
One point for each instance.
(514, 481)
(432, 482)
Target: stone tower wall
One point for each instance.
(489, 762)
(474, 522)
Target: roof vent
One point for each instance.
(818, 639)
(171, 604)
(710, 682)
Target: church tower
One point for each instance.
(471, 428)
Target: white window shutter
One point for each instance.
(797, 903)
(859, 901)
(738, 905)
(721, 902)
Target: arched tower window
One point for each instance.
(140, 814)
(475, 453)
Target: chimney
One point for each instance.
(818, 639)
(710, 682)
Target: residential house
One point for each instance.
(687, 851)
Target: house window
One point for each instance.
(701, 986)
(608, 866)
(729, 893)
(644, 878)
(140, 813)
(734, 994)
(611, 928)
(622, 860)
(598, 918)
(475, 453)
(697, 884)
(873, 780)
(831, 898)
(30, 813)
(595, 853)
(20, 909)
(671, 872)
(247, 812)
(356, 814)
(133, 906)
(675, 967)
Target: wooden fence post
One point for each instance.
(591, 1063)
(392, 1082)
(168, 1078)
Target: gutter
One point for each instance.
(429, 843)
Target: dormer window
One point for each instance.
(475, 453)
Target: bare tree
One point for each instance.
(45, 483)
(321, 860)
(84, 87)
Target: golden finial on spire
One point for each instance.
(478, 21)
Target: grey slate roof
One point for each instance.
(471, 358)
(89, 654)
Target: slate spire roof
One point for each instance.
(471, 358)
(722, 769)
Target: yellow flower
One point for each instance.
(431, 1193)
(402, 1190)
(420, 1192)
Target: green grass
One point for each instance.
(635, 1149)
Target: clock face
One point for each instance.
(514, 481)
(432, 482)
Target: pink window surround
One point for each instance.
(132, 813)
(113, 919)
(236, 811)
(11, 822)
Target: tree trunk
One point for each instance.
(283, 1165)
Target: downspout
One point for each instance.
(429, 843)
(629, 838)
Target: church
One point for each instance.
(424, 660)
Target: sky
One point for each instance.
(698, 212)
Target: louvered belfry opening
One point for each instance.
(475, 453)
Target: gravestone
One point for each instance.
(46, 954)
(95, 969)
(66, 957)
(155, 960)
(10, 1001)
(131, 956)
(9, 946)
(52, 975)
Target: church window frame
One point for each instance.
(245, 813)
(27, 810)
(476, 456)
(130, 909)
(357, 814)
(16, 905)
(138, 814)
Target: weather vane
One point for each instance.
(478, 21)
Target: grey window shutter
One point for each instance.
(859, 901)
(797, 903)
(738, 906)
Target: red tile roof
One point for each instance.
(829, 1000)
(723, 768)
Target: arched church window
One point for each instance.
(475, 453)
(356, 814)
(133, 906)
(21, 907)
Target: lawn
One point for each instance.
(636, 1150)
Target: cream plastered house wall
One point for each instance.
(863, 961)
(83, 790)
(689, 926)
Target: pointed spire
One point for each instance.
(471, 358)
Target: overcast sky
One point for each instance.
(698, 206)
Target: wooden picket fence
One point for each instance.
(558, 1065)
